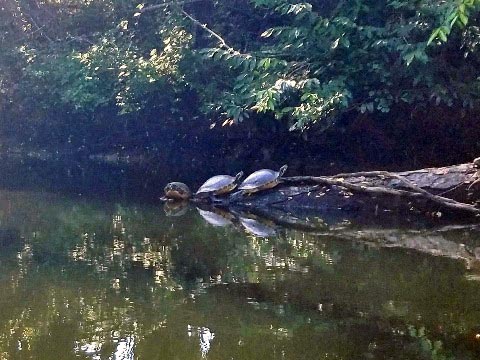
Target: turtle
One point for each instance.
(219, 185)
(177, 191)
(261, 180)
(476, 162)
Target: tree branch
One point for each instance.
(39, 28)
(413, 192)
(160, 6)
(190, 17)
(211, 32)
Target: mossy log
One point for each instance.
(452, 191)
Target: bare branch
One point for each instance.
(190, 17)
(211, 32)
(39, 28)
(160, 6)
(413, 192)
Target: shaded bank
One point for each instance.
(186, 145)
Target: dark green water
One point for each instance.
(104, 278)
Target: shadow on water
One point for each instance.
(108, 276)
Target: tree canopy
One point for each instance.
(306, 63)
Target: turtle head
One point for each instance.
(175, 186)
(238, 177)
(168, 187)
(177, 190)
(282, 170)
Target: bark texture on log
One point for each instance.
(452, 191)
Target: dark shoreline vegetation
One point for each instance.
(229, 85)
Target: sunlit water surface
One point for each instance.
(91, 278)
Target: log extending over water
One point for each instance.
(452, 190)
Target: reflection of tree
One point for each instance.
(100, 279)
(50, 305)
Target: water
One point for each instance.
(107, 275)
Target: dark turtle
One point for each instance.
(219, 185)
(177, 191)
(261, 180)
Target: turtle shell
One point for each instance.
(177, 191)
(262, 179)
(476, 162)
(220, 184)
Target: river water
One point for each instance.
(92, 267)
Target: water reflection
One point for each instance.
(216, 217)
(204, 335)
(177, 208)
(257, 227)
(251, 223)
(98, 280)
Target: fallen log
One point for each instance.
(452, 191)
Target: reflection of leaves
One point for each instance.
(73, 309)
(209, 252)
(425, 347)
(130, 261)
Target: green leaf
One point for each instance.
(442, 35)
(433, 36)
(463, 19)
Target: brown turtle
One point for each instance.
(177, 191)
(262, 180)
(219, 185)
(476, 162)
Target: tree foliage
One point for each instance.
(456, 13)
(305, 62)
(365, 56)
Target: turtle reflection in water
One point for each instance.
(175, 208)
(257, 227)
(216, 217)
(218, 185)
(177, 191)
(262, 180)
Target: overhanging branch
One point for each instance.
(174, 3)
(211, 32)
(178, 4)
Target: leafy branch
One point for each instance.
(457, 15)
